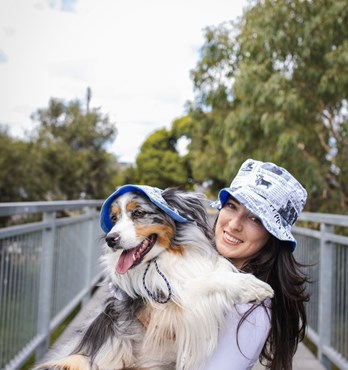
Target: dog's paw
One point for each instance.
(252, 289)
(73, 362)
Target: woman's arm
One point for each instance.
(252, 336)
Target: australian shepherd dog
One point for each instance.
(169, 288)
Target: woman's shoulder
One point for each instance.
(255, 315)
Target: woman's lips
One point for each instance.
(232, 239)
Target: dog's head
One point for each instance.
(142, 222)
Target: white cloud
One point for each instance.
(135, 55)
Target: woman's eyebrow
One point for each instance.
(233, 199)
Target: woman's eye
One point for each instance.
(256, 220)
(137, 213)
(231, 205)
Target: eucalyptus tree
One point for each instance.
(274, 87)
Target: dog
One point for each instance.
(160, 264)
(262, 182)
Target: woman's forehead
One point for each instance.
(234, 200)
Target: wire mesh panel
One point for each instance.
(339, 327)
(19, 287)
(97, 242)
(70, 264)
(308, 253)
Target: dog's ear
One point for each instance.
(191, 206)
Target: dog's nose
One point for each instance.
(113, 240)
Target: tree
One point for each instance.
(206, 157)
(212, 79)
(20, 173)
(73, 150)
(283, 95)
(159, 164)
(289, 54)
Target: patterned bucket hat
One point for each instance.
(271, 193)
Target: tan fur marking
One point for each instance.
(115, 210)
(144, 316)
(131, 205)
(165, 233)
(176, 249)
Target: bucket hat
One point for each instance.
(271, 193)
(154, 195)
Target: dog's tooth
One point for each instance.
(134, 258)
(144, 245)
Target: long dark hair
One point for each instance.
(276, 265)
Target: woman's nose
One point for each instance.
(236, 223)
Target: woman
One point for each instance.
(253, 230)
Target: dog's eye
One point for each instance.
(138, 213)
(113, 218)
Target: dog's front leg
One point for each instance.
(246, 288)
(232, 287)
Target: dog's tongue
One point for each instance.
(125, 261)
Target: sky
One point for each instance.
(135, 55)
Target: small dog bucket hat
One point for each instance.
(154, 194)
(271, 193)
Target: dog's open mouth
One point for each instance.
(131, 257)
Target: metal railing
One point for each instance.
(323, 245)
(50, 266)
(47, 268)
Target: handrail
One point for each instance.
(21, 208)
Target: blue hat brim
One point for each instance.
(105, 221)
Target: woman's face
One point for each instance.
(239, 234)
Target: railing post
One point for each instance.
(325, 289)
(46, 280)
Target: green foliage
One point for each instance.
(65, 158)
(214, 72)
(125, 175)
(159, 163)
(20, 173)
(206, 155)
(274, 87)
(73, 155)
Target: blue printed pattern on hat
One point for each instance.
(153, 193)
